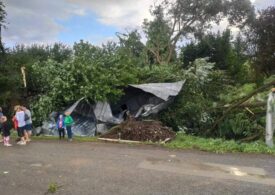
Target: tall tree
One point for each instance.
(263, 39)
(131, 47)
(157, 33)
(215, 46)
(181, 18)
(2, 24)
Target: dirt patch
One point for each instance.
(134, 130)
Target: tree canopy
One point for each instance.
(176, 20)
(263, 39)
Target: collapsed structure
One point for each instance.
(138, 101)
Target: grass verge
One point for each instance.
(183, 141)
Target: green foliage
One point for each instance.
(52, 188)
(236, 92)
(262, 36)
(174, 21)
(132, 49)
(238, 125)
(158, 36)
(184, 141)
(216, 47)
(163, 73)
(190, 110)
(94, 73)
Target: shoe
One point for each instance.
(22, 143)
(28, 140)
(8, 145)
(70, 140)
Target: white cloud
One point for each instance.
(262, 4)
(119, 13)
(32, 21)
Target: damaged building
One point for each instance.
(138, 100)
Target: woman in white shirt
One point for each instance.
(20, 117)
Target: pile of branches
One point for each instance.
(151, 131)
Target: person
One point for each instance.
(6, 131)
(68, 123)
(15, 122)
(270, 118)
(61, 126)
(20, 117)
(28, 126)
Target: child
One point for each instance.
(6, 131)
(68, 123)
(20, 117)
(61, 126)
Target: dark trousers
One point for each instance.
(61, 132)
(69, 132)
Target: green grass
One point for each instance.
(184, 141)
(52, 188)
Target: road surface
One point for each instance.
(105, 168)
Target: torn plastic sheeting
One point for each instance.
(162, 90)
(140, 100)
(103, 113)
(84, 120)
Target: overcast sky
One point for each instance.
(68, 21)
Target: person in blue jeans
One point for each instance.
(68, 123)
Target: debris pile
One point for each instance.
(131, 129)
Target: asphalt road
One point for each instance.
(104, 168)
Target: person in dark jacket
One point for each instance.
(60, 124)
(6, 131)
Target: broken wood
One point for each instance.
(120, 141)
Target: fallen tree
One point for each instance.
(238, 103)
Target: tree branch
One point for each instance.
(238, 103)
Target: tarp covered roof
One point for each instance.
(161, 90)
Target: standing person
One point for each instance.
(61, 126)
(1, 114)
(68, 123)
(270, 118)
(15, 126)
(6, 131)
(20, 117)
(28, 121)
